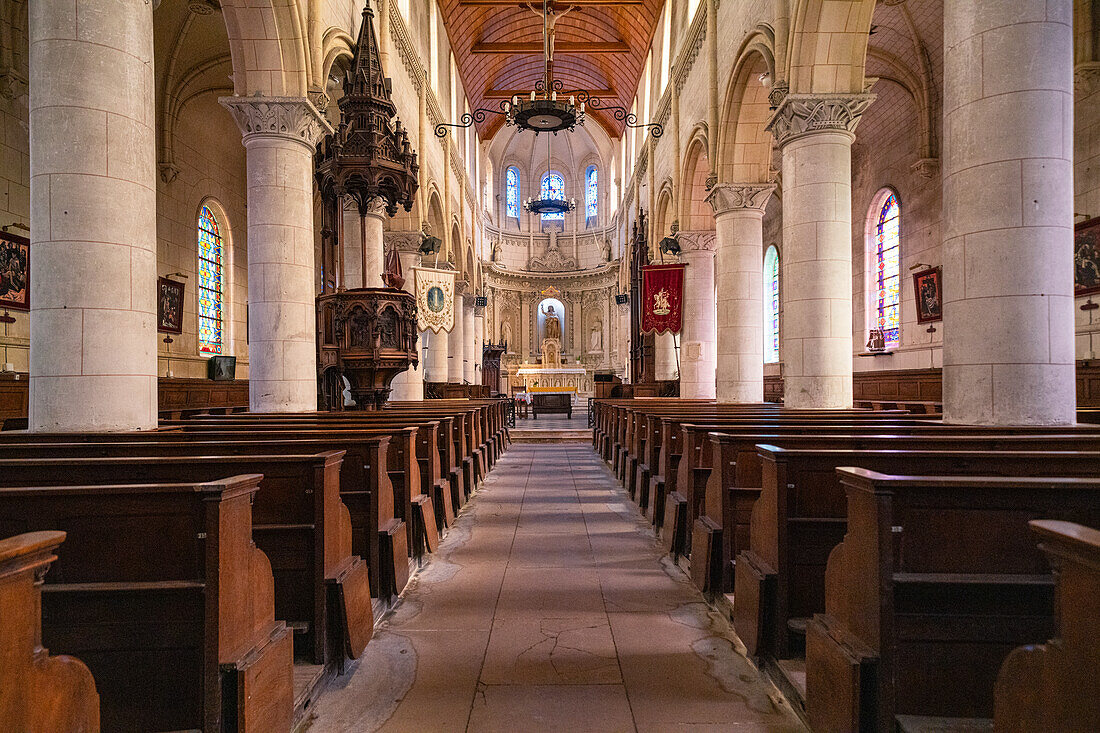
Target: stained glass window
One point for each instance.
(591, 193)
(771, 306)
(888, 270)
(211, 283)
(512, 185)
(553, 187)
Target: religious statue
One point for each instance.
(595, 337)
(552, 324)
(605, 250)
(506, 335)
(496, 250)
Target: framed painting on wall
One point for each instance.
(929, 294)
(169, 306)
(15, 272)
(1086, 257)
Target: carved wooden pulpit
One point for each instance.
(367, 336)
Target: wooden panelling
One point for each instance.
(13, 396)
(190, 394)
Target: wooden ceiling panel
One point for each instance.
(601, 46)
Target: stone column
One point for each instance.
(279, 135)
(698, 339)
(456, 348)
(479, 343)
(815, 133)
(739, 262)
(1008, 356)
(409, 384)
(93, 327)
(469, 323)
(351, 241)
(435, 355)
(664, 357)
(372, 254)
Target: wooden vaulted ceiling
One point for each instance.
(601, 46)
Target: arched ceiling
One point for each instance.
(601, 46)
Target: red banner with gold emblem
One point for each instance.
(662, 298)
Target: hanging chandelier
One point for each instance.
(549, 202)
(549, 108)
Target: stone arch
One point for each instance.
(695, 212)
(267, 40)
(744, 142)
(454, 247)
(828, 45)
(664, 213)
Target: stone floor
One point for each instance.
(548, 608)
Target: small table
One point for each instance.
(548, 403)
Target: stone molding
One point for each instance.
(727, 197)
(402, 241)
(1086, 78)
(703, 240)
(290, 118)
(805, 114)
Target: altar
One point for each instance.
(538, 378)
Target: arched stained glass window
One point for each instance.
(553, 187)
(771, 305)
(887, 243)
(591, 193)
(211, 283)
(512, 192)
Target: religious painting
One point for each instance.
(15, 272)
(929, 295)
(1086, 257)
(662, 298)
(169, 306)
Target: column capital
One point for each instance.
(700, 240)
(804, 114)
(468, 300)
(403, 241)
(1086, 78)
(727, 197)
(374, 206)
(290, 118)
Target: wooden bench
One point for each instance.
(801, 516)
(935, 582)
(37, 692)
(734, 478)
(1055, 686)
(162, 592)
(321, 588)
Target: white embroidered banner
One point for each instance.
(435, 299)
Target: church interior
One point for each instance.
(561, 365)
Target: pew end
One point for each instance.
(38, 692)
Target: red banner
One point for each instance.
(662, 298)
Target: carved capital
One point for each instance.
(804, 114)
(374, 206)
(703, 240)
(726, 197)
(402, 241)
(289, 118)
(168, 171)
(926, 167)
(1086, 78)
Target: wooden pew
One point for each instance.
(37, 692)
(162, 592)
(365, 487)
(935, 582)
(800, 517)
(734, 482)
(1054, 686)
(321, 589)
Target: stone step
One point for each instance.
(524, 435)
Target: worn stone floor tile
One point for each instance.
(551, 709)
(575, 650)
(549, 593)
(549, 607)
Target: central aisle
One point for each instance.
(548, 608)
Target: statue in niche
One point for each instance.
(595, 336)
(552, 324)
(605, 249)
(506, 335)
(496, 250)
